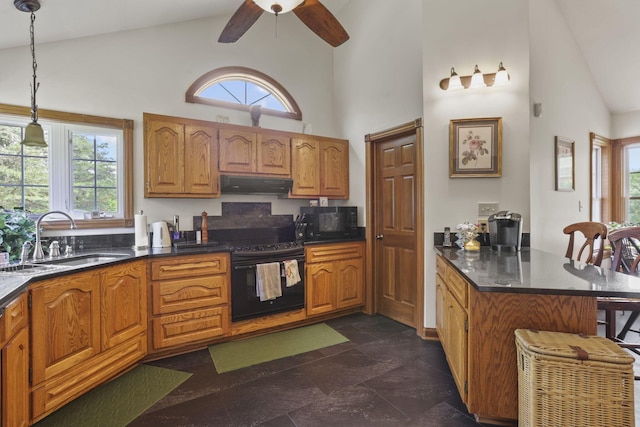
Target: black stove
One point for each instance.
(266, 249)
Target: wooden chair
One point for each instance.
(594, 234)
(625, 244)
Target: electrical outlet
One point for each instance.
(484, 225)
(486, 209)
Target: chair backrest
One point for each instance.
(625, 243)
(594, 234)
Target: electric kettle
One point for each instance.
(161, 236)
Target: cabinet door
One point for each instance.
(441, 310)
(66, 311)
(164, 166)
(15, 380)
(320, 288)
(237, 151)
(274, 155)
(201, 160)
(457, 343)
(350, 283)
(305, 167)
(124, 303)
(334, 169)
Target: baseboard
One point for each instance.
(430, 334)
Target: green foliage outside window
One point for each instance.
(15, 228)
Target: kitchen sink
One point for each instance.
(29, 269)
(81, 260)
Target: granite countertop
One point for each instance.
(537, 272)
(13, 284)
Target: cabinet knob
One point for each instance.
(379, 236)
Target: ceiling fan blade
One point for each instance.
(322, 22)
(246, 15)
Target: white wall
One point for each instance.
(572, 107)
(461, 34)
(125, 74)
(625, 125)
(377, 76)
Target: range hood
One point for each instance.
(232, 184)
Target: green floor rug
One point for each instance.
(117, 403)
(240, 354)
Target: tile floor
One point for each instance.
(385, 376)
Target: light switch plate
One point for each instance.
(486, 209)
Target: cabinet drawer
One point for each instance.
(333, 252)
(189, 327)
(170, 296)
(441, 266)
(457, 286)
(189, 266)
(14, 317)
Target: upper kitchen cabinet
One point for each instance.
(320, 167)
(262, 153)
(181, 157)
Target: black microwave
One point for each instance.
(329, 222)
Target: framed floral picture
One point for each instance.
(565, 164)
(475, 148)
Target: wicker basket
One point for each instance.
(557, 386)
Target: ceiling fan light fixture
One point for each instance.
(277, 7)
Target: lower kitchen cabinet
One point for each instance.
(14, 334)
(476, 330)
(87, 327)
(334, 277)
(189, 300)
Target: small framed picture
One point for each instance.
(565, 164)
(475, 148)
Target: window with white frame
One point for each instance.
(81, 170)
(632, 183)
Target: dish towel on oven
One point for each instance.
(268, 281)
(291, 273)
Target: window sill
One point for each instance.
(83, 224)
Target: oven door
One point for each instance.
(245, 303)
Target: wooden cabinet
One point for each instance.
(87, 327)
(261, 153)
(14, 336)
(181, 158)
(320, 167)
(189, 299)
(476, 330)
(334, 277)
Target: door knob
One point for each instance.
(379, 236)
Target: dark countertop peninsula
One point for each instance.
(532, 271)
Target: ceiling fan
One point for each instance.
(311, 12)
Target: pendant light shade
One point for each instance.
(277, 7)
(33, 134)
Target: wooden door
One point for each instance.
(350, 283)
(274, 155)
(334, 169)
(15, 381)
(237, 151)
(201, 158)
(164, 166)
(305, 167)
(124, 303)
(67, 312)
(395, 201)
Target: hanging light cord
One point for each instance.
(34, 85)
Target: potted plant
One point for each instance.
(15, 228)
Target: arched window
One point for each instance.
(240, 88)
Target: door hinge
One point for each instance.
(30, 376)
(29, 301)
(466, 325)
(466, 387)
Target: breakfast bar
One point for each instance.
(483, 296)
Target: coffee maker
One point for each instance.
(505, 231)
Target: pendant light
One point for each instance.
(277, 7)
(33, 134)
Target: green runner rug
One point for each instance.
(234, 355)
(118, 402)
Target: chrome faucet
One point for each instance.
(38, 254)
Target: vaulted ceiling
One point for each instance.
(606, 31)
